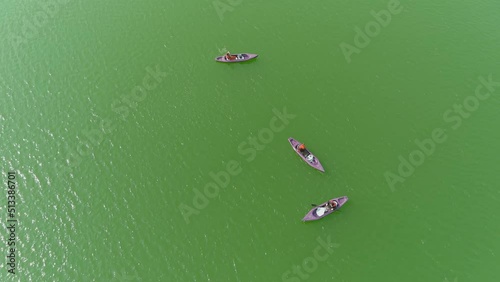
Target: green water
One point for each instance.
(114, 115)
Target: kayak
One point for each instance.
(239, 58)
(322, 210)
(307, 156)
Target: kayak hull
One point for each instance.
(240, 58)
(311, 215)
(314, 163)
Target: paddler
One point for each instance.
(332, 204)
(230, 57)
(302, 148)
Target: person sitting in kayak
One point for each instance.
(304, 152)
(332, 204)
(302, 149)
(230, 57)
